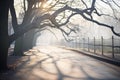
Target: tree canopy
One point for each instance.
(41, 14)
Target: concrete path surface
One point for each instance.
(53, 63)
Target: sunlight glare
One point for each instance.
(46, 5)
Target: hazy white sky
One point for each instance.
(87, 29)
(49, 38)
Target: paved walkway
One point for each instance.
(53, 63)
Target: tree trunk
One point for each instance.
(36, 36)
(4, 41)
(18, 49)
(28, 40)
(3, 52)
(24, 43)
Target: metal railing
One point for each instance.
(106, 47)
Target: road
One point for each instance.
(54, 63)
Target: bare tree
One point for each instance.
(40, 14)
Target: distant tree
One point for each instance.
(40, 14)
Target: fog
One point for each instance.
(87, 29)
(49, 37)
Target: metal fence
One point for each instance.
(106, 47)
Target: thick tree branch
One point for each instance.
(81, 12)
(13, 14)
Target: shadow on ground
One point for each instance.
(52, 63)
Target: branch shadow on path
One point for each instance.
(37, 65)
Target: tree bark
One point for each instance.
(28, 40)
(18, 49)
(4, 41)
(24, 43)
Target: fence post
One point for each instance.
(88, 44)
(119, 46)
(79, 43)
(102, 44)
(76, 42)
(83, 43)
(112, 46)
(94, 46)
